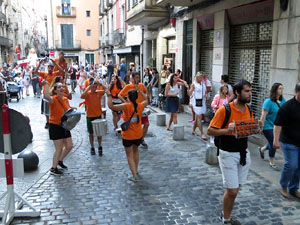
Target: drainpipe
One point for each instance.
(52, 26)
(142, 53)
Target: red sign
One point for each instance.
(52, 53)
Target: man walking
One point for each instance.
(234, 159)
(287, 136)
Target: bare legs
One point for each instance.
(62, 148)
(198, 124)
(132, 154)
(145, 129)
(173, 119)
(91, 138)
(116, 119)
(228, 201)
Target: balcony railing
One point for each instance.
(68, 13)
(102, 12)
(68, 45)
(109, 3)
(118, 37)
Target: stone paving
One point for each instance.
(176, 186)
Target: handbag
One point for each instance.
(70, 118)
(199, 102)
(125, 125)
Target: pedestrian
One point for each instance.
(132, 138)
(221, 98)
(172, 99)
(61, 61)
(268, 115)
(126, 79)
(154, 85)
(115, 88)
(83, 76)
(110, 70)
(163, 76)
(26, 74)
(72, 72)
(61, 137)
(20, 82)
(234, 158)
(47, 76)
(147, 82)
(135, 78)
(35, 84)
(199, 92)
(123, 69)
(93, 107)
(225, 80)
(287, 136)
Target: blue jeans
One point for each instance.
(269, 136)
(290, 175)
(155, 95)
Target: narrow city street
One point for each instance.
(176, 186)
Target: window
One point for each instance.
(89, 58)
(88, 32)
(66, 35)
(135, 2)
(88, 13)
(66, 7)
(128, 4)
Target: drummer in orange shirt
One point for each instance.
(62, 63)
(93, 106)
(132, 138)
(49, 77)
(135, 79)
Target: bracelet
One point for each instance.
(108, 94)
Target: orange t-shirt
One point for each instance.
(135, 130)
(87, 83)
(236, 115)
(128, 87)
(63, 65)
(57, 109)
(48, 77)
(66, 91)
(115, 91)
(93, 103)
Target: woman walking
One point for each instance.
(172, 101)
(115, 87)
(83, 76)
(133, 136)
(269, 112)
(61, 137)
(26, 74)
(220, 99)
(198, 90)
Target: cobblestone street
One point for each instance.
(176, 186)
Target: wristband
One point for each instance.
(108, 94)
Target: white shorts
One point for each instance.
(233, 173)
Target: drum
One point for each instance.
(99, 127)
(116, 101)
(46, 110)
(146, 112)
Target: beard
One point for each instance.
(245, 100)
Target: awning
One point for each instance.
(127, 50)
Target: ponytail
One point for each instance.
(133, 95)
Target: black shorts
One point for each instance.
(57, 132)
(129, 143)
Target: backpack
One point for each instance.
(217, 139)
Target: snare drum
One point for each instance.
(146, 112)
(116, 101)
(99, 127)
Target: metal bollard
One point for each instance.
(161, 119)
(178, 132)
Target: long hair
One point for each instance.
(57, 79)
(118, 83)
(133, 96)
(172, 79)
(54, 88)
(273, 92)
(221, 90)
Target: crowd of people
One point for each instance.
(127, 97)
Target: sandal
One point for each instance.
(169, 129)
(204, 137)
(274, 167)
(262, 155)
(195, 133)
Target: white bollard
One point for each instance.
(178, 132)
(211, 157)
(161, 119)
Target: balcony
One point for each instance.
(4, 41)
(102, 12)
(68, 46)
(109, 3)
(69, 12)
(178, 2)
(149, 14)
(118, 37)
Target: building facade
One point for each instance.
(250, 39)
(73, 28)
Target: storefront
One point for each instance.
(131, 54)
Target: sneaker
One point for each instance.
(261, 154)
(100, 151)
(93, 151)
(62, 165)
(55, 171)
(144, 144)
(133, 179)
(46, 125)
(232, 220)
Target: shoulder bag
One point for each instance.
(125, 125)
